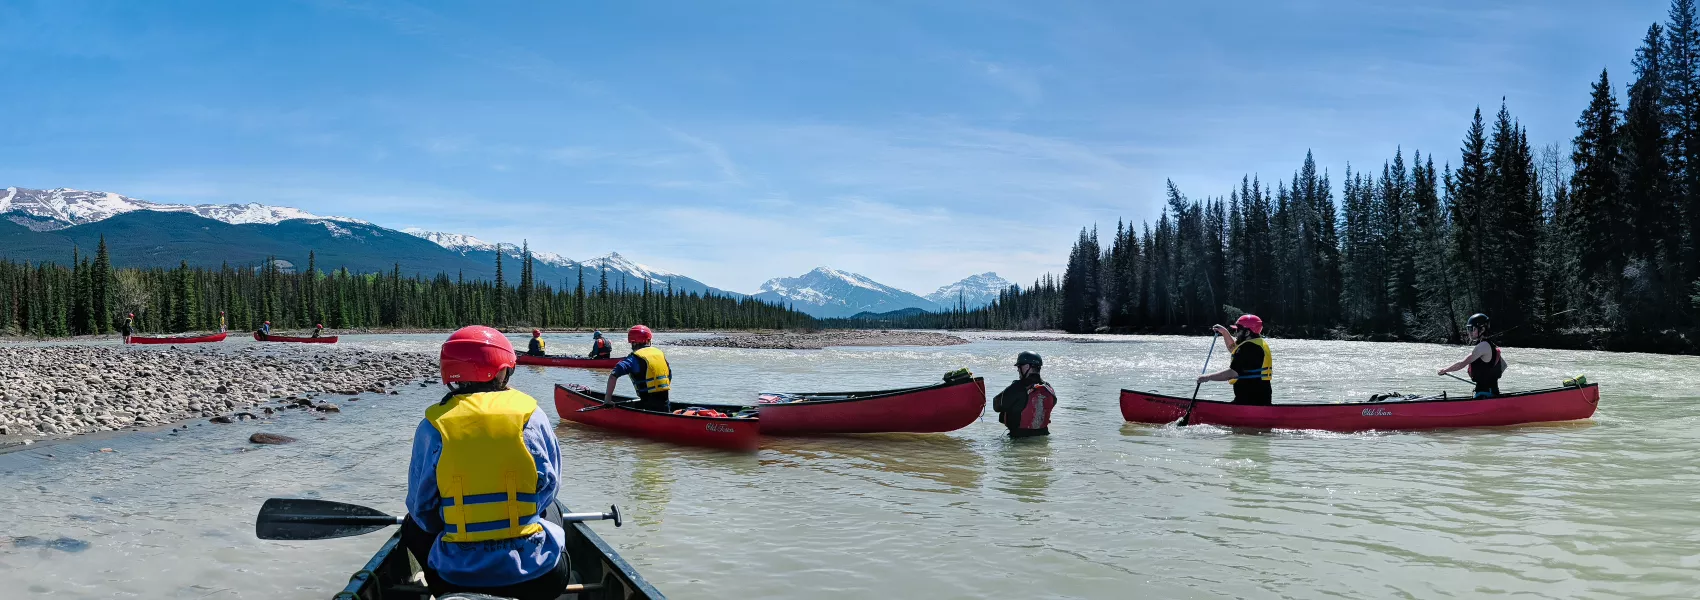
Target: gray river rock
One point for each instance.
(1603, 508)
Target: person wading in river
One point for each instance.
(535, 348)
(1485, 362)
(647, 366)
(600, 347)
(1251, 368)
(486, 465)
(1025, 406)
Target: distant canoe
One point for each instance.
(1558, 404)
(200, 339)
(329, 339)
(568, 361)
(929, 409)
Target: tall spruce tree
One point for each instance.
(1594, 220)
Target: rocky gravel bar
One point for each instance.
(816, 340)
(60, 391)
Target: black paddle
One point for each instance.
(1194, 402)
(307, 519)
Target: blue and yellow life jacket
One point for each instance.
(656, 376)
(486, 476)
(1263, 373)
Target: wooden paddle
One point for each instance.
(1194, 402)
(307, 519)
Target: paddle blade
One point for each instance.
(307, 519)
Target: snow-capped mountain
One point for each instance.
(615, 263)
(975, 291)
(828, 292)
(466, 244)
(50, 210)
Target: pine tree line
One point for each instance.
(1604, 240)
(91, 297)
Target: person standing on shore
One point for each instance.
(537, 344)
(1252, 367)
(221, 321)
(129, 327)
(475, 512)
(647, 366)
(1026, 405)
(1485, 361)
(600, 347)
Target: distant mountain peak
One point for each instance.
(829, 292)
(974, 291)
(49, 210)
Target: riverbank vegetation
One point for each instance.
(1592, 244)
(92, 297)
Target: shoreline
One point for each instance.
(51, 393)
(817, 340)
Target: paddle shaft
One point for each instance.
(1194, 402)
(307, 519)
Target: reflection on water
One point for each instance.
(1099, 509)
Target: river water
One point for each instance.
(1607, 508)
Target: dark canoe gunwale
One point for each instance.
(620, 404)
(567, 361)
(1512, 395)
(868, 395)
(388, 574)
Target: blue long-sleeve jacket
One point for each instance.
(496, 563)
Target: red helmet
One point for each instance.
(639, 335)
(474, 354)
(132, 315)
(320, 326)
(268, 322)
(537, 333)
(1250, 322)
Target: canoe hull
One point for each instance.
(202, 339)
(329, 339)
(568, 361)
(712, 432)
(931, 409)
(388, 576)
(1559, 404)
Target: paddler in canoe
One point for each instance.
(600, 347)
(535, 348)
(1252, 365)
(647, 366)
(1026, 405)
(318, 329)
(1485, 362)
(474, 450)
(265, 330)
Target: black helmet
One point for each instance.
(1478, 320)
(1029, 358)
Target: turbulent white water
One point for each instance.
(1604, 508)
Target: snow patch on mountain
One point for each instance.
(975, 291)
(613, 262)
(48, 210)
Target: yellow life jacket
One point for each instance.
(656, 376)
(485, 475)
(1263, 373)
(541, 345)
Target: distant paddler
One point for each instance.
(485, 466)
(1485, 361)
(537, 344)
(221, 322)
(265, 330)
(600, 347)
(318, 330)
(1025, 406)
(647, 366)
(1251, 368)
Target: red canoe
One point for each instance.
(200, 339)
(714, 432)
(568, 361)
(329, 339)
(930, 409)
(1557, 404)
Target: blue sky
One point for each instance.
(916, 142)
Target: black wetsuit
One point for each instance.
(1249, 357)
